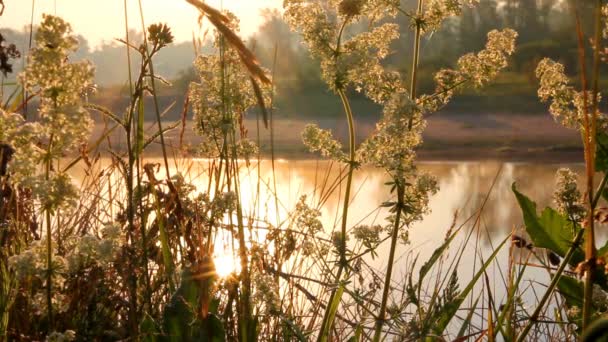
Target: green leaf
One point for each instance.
(443, 318)
(601, 152)
(551, 230)
(333, 308)
(426, 267)
(597, 331)
(357, 336)
(467, 321)
(572, 291)
(180, 316)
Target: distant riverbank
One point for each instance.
(448, 137)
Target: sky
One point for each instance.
(103, 20)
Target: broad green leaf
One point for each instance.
(572, 290)
(180, 317)
(551, 230)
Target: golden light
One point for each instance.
(226, 264)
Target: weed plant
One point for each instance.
(129, 253)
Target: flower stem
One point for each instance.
(326, 326)
(49, 243)
(391, 259)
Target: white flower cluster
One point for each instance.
(221, 100)
(31, 263)
(369, 236)
(266, 293)
(30, 266)
(439, 10)
(91, 250)
(567, 104)
(306, 218)
(477, 68)
(355, 61)
(64, 124)
(567, 197)
(322, 140)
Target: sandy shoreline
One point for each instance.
(448, 137)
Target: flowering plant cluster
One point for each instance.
(63, 126)
(221, 100)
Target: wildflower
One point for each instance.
(24, 264)
(566, 103)
(567, 197)
(221, 99)
(320, 140)
(369, 236)
(439, 10)
(64, 124)
(307, 248)
(354, 61)
(477, 68)
(266, 293)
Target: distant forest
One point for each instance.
(546, 29)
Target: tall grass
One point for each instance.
(133, 256)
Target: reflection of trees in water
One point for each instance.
(464, 187)
(472, 183)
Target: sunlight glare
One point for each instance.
(226, 264)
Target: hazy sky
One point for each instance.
(100, 20)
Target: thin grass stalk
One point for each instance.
(391, 259)
(154, 97)
(270, 114)
(590, 250)
(49, 244)
(541, 304)
(25, 96)
(416, 56)
(589, 144)
(343, 262)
